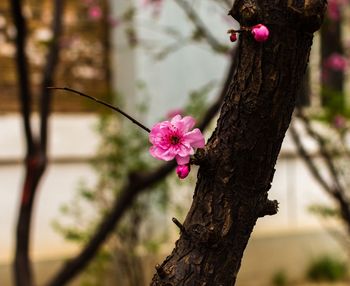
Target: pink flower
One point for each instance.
(173, 139)
(182, 171)
(336, 62)
(95, 12)
(260, 33)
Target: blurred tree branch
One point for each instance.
(36, 155)
(336, 191)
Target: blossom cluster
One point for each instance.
(175, 139)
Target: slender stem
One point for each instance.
(115, 108)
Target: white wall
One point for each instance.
(73, 141)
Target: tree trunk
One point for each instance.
(237, 165)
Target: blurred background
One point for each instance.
(157, 58)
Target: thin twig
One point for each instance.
(115, 108)
(178, 224)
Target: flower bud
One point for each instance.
(233, 37)
(260, 33)
(182, 171)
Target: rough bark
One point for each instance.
(237, 166)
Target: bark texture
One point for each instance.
(237, 165)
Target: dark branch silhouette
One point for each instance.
(23, 71)
(35, 162)
(115, 108)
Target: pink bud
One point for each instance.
(260, 33)
(233, 37)
(182, 171)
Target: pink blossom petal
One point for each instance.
(183, 125)
(182, 160)
(158, 131)
(195, 138)
(175, 119)
(188, 123)
(184, 150)
(162, 154)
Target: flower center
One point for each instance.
(174, 139)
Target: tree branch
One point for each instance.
(49, 71)
(22, 270)
(36, 147)
(23, 71)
